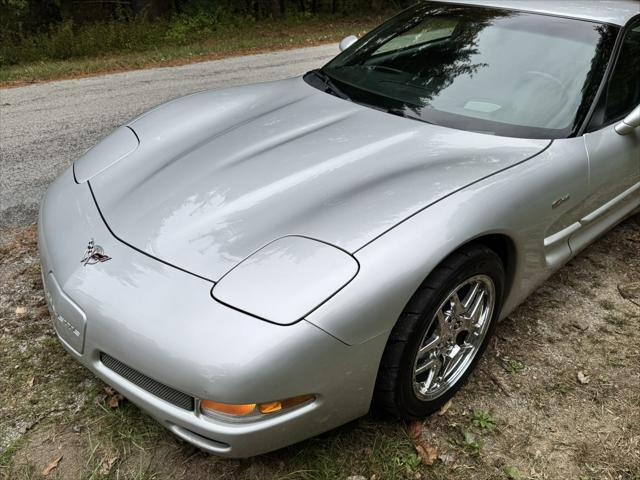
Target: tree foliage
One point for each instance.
(39, 30)
(24, 17)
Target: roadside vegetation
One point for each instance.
(556, 396)
(48, 39)
(154, 47)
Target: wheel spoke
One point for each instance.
(451, 361)
(427, 384)
(466, 348)
(469, 298)
(453, 365)
(456, 305)
(443, 325)
(476, 309)
(429, 346)
(428, 365)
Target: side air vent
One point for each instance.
(158, 389)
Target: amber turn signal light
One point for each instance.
(227, 408)
(243, 410)
(272, 407)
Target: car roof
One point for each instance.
(617, 12)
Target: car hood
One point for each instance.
(217, 175)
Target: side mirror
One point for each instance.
(347, 42)
(630, 123)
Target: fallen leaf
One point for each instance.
(21, 310)
(582, 378)
(105, 466)
(427, 453)
(414, 430)
(114, 400)
(445, 408)
(51, 466)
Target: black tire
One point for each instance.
(394, 390)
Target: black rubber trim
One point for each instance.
(600, 100)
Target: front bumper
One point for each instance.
(162, 322)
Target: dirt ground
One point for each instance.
(557, 396)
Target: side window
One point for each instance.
(623, 93)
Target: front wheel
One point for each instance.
(441, 334)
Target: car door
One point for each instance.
(614, 159)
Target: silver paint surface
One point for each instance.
(241, 167)
(617, 12)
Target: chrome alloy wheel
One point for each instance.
(454, 336)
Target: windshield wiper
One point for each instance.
(329, 85)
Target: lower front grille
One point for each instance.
(158, 389)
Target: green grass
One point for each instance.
(7, 454)
(483, 420)
(512, 473)
(116, 46)
(512, 366)
(469, 443)
(367, 447)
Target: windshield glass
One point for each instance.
(474, 68)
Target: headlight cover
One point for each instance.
(287, 279)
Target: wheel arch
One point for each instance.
(505, 247)
(391, 387)
(500, 243)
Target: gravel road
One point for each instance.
(45, 127)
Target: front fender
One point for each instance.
(516, 202)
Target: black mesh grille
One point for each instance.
(175, 397)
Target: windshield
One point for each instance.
(474, 68)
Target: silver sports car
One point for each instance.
(256, 265)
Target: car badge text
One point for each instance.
(94, 254)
